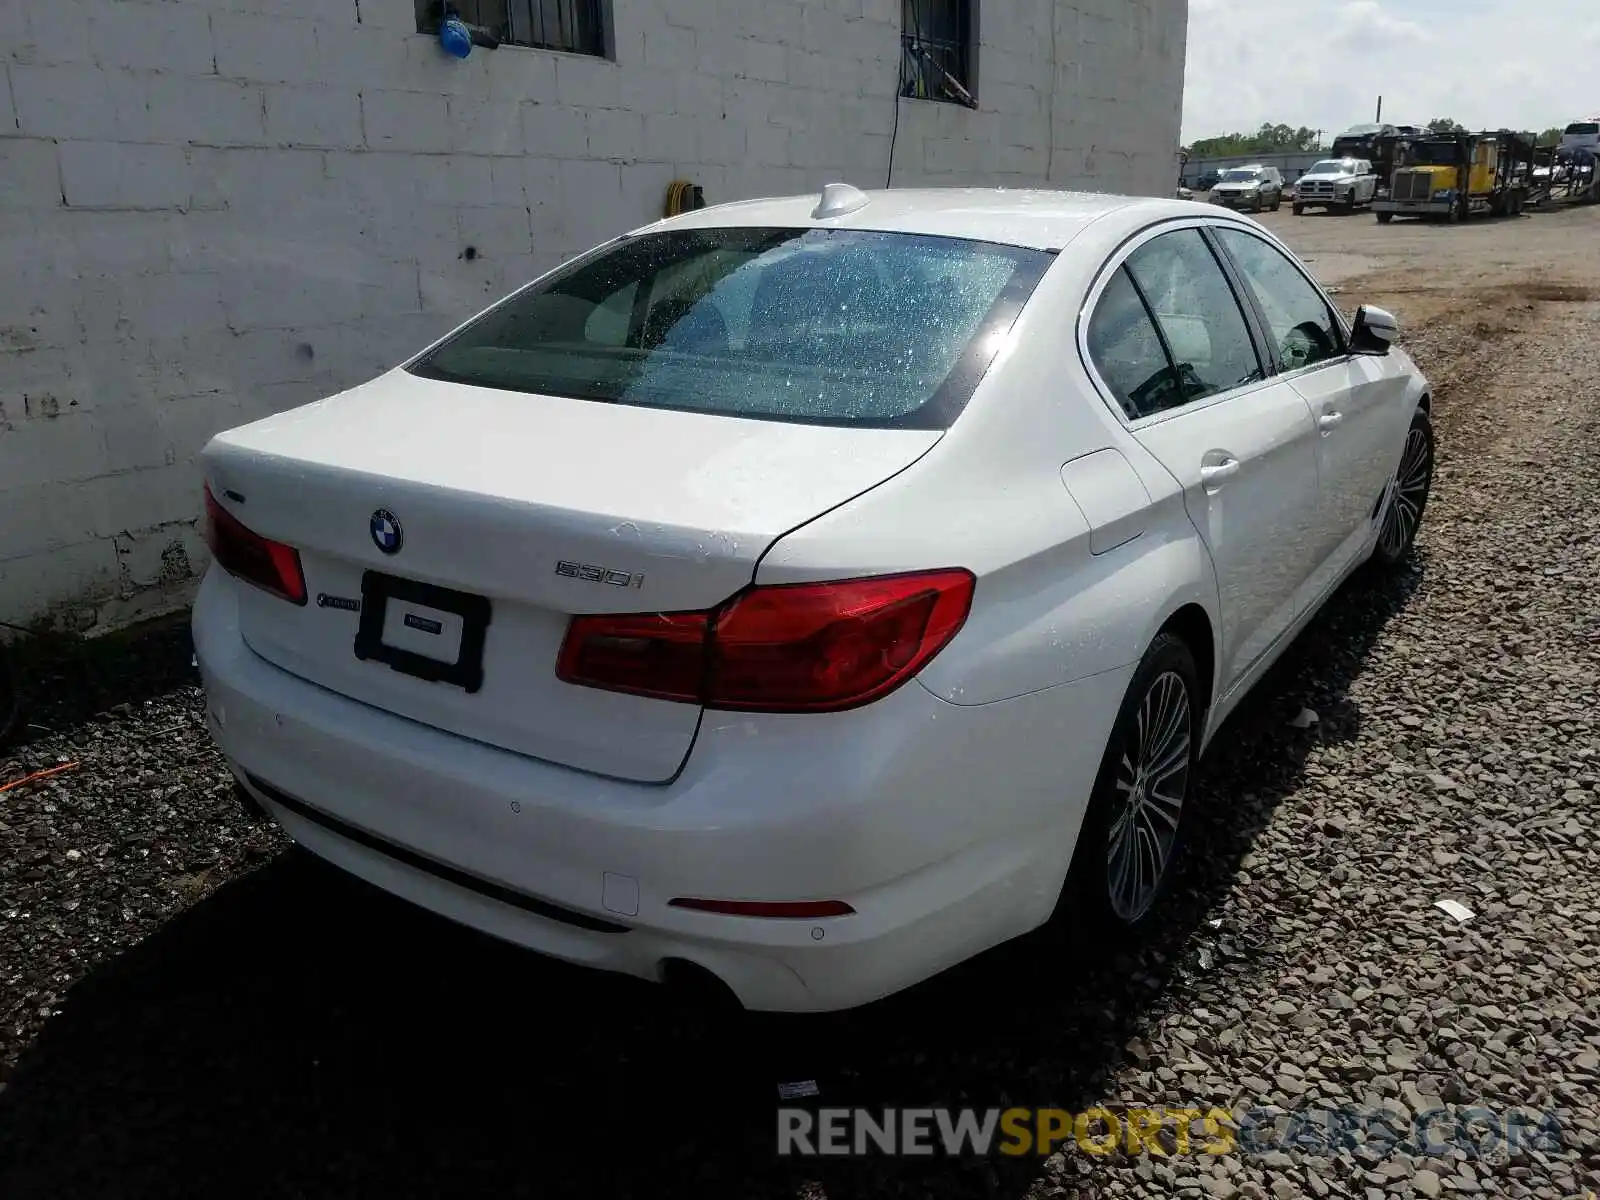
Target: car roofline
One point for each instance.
(1030, 219)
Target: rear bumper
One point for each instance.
(947, 828)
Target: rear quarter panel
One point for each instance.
(990, 497)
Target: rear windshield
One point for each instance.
(1583, 129)
(1240, 176)
(816, 326)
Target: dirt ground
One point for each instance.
(1479, 303)
(190, 1007)
(1492, 277)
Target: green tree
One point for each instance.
(1269, 139)
(1446, 125)
(1551, 137)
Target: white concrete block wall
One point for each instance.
(215, 209)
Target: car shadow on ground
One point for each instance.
(63, 682)
(299, 1034)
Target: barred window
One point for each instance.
(936, 43)
(577, 26)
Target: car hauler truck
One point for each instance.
(1374, 144)
(1569, 173)
(1459, 175)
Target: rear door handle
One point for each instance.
(1215, 474)
(1328, 422)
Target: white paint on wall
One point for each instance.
(217, 209)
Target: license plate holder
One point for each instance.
(393, 609)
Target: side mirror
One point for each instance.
(1375, 331)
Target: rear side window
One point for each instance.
(818, 326)
(1127, 350)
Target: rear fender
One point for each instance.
(1099, 616)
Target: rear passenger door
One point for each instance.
(1168, 338)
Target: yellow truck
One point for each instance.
(1459, 175)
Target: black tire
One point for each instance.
(1277, 201)
(1348, 204)
(1401, 515)
(1385, 218)
(1299, 210)
(1091, 901)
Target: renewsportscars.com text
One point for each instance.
(1477, 1133)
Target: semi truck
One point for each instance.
(1458, 175)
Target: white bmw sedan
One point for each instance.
(806, 593)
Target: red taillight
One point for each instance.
(245, 554)
(809, 647)
(783, 910)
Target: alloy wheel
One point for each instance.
(1404, 512)
(1151, 781)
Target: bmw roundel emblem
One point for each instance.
(386, 532)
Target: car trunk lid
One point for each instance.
(406, 494)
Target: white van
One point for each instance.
(1582, 135)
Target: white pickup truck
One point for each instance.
(1345, 184)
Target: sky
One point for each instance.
(1490, 64)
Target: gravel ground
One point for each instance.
(188, 1007)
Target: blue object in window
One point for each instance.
(455, 37)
